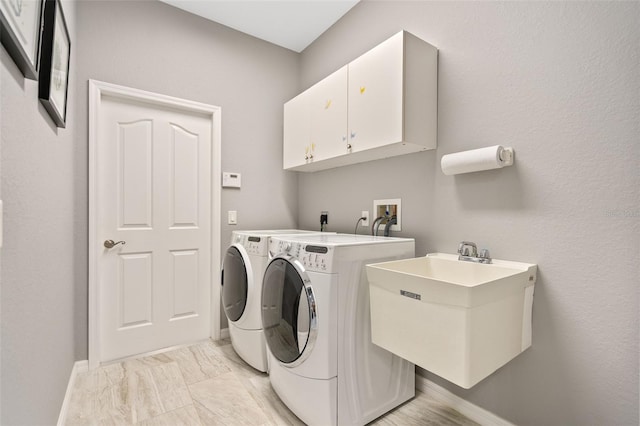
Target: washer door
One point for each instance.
(289, 316)
(236, 273)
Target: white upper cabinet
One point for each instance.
(382, 104)
(297, 138)
(376, 96)
(315, 122)
(328, 113)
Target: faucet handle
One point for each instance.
(463, 249)
(484, 254)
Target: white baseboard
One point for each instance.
(224, 333)
(78, 367)
(464, 407)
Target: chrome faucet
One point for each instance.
(468, 251)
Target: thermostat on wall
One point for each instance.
(231, 180)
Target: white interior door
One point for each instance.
(154, 191)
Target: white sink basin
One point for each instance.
(460, 320)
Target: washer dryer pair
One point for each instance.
(316, 319)
(241, 286)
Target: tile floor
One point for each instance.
(206, 384)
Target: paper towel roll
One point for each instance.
(493, 157)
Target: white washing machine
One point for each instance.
(241, 287)
(316, 319)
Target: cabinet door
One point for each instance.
(375, 96)
(328, 111)
(296, 145)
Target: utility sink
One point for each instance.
(460, 320)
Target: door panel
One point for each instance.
(135, 191)
(135, 288)
(184, 177)
(185, 283)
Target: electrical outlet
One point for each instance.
(324, 220)
(365, 221)
(324, 217)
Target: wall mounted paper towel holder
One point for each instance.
(475, 160)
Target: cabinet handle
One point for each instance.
(348, 146)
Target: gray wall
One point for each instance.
(38, 279)
(150, 46)
(558, 82)
(156, 47)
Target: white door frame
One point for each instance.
(97, 90)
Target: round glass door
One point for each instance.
(288, 311)
(234, 284)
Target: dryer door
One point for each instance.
(236, 273)
(289, 315)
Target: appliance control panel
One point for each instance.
(317, 258)
(254, 245)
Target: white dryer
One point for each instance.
(241, 287)
(316, 319)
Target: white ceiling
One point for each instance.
(293, 24)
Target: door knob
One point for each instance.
(111, 244)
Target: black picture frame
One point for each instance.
(20, 32)
(55, 55)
